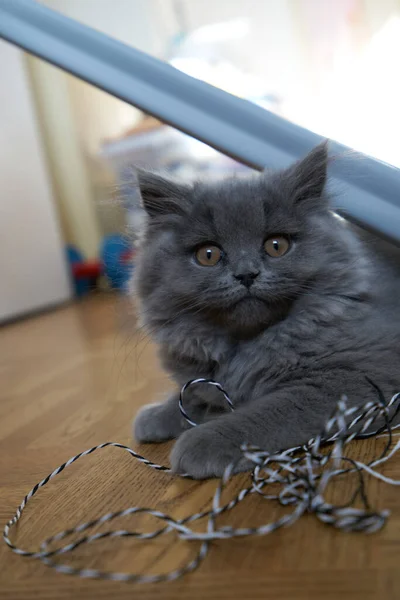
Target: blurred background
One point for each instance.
(68, 194)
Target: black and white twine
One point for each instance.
(301, 473)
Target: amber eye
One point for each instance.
(276, 246)
(208, 255)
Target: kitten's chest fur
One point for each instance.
(242, 367)
(300, 345)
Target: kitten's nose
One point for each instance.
(247, 278)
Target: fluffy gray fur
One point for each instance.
(313, 325)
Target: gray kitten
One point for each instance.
(257, 284)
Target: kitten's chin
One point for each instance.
(250, 316)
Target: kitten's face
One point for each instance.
(237, 253)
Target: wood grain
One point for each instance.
(76, 377)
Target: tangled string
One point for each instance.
(299, 477)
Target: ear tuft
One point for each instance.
(161, 196)
(309, 175)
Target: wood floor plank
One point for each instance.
(74, 378)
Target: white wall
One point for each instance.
(33, 271)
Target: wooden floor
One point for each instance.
(74, 378)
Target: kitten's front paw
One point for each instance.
(157, 423)
(204, 452)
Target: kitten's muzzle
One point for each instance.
(247, 279)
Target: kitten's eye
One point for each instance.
(277, 246)
(208, 255)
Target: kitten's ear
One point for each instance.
(309, 175)
(161, 196)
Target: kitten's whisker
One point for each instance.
(148, 332)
